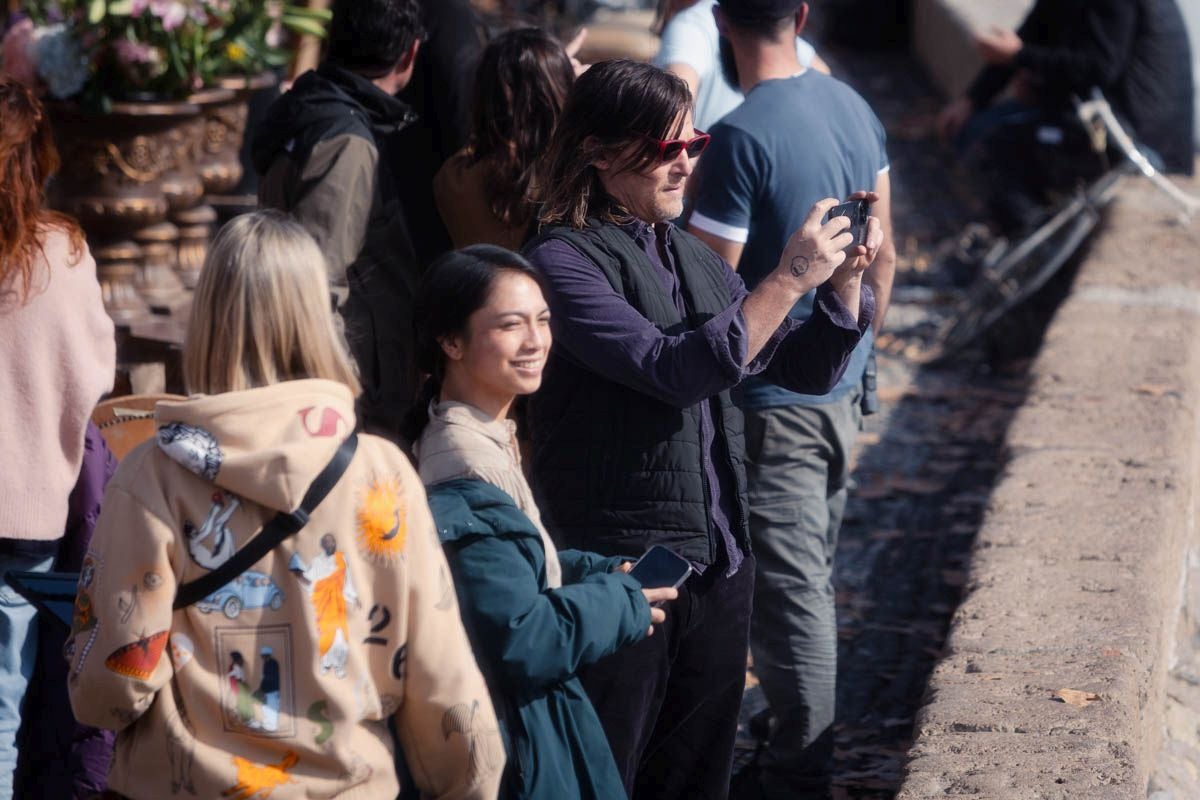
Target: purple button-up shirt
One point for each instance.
(600, 329)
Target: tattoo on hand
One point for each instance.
(799, 266)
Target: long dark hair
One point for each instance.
(521, 85)
(453, 288)
(611, 106)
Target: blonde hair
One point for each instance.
(262, 313)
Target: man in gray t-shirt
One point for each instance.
(798, 137)
(690, 49)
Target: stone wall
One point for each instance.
(1077, 572)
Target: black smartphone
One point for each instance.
(858, 211)
(659, 568)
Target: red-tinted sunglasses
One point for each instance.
(670, 149)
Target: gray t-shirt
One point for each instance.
(792, 142)
(691, 38)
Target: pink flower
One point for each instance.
(135, 52)
(14, 53)
(171, 13)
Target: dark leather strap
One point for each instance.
(278, 528)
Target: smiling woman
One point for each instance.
(535, 615)
(482, 331)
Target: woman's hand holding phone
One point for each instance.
(661, 572)
(654, 596)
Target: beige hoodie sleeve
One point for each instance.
(122, 614)
(446, 722)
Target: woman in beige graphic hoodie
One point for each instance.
(279, 684)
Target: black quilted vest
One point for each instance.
(616, 470)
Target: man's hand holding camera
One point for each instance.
(819, 252)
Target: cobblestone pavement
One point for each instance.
(925, 465)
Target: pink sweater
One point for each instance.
(57, 358)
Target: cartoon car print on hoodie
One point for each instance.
(251, 589)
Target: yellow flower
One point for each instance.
(235, 52)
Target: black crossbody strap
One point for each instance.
(278, 528)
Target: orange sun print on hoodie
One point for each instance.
(258, 781)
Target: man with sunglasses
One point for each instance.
(636, 440)
(799, 136)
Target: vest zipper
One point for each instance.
(705, 461)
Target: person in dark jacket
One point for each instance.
(338, 154)
(442, 83)
(534, 614)
(636, 440)
(1134, 51)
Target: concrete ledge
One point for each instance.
(1077, 572)
(943, 33)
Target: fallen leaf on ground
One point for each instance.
(875, 490)
(1154, 389)
(947, 467)
(1076, 698)
(954, 577)
(913, 485)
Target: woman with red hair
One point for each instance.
(57, 358)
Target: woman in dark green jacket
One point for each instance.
(534, 615)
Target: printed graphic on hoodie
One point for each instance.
(257, 695)
(182, 650)
(83, 616)
(382, 532)
(258, 781)
(250, 590)
(321, 422)
(316, 715)
(331, 590)
(138, 659)
(485, 750)
(195, 449)
(212, 544)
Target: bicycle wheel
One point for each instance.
(1020, 272)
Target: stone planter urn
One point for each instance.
(116, 170)
(202, 147)
(219, 158)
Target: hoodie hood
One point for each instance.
(321, 103)
(266, 445)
